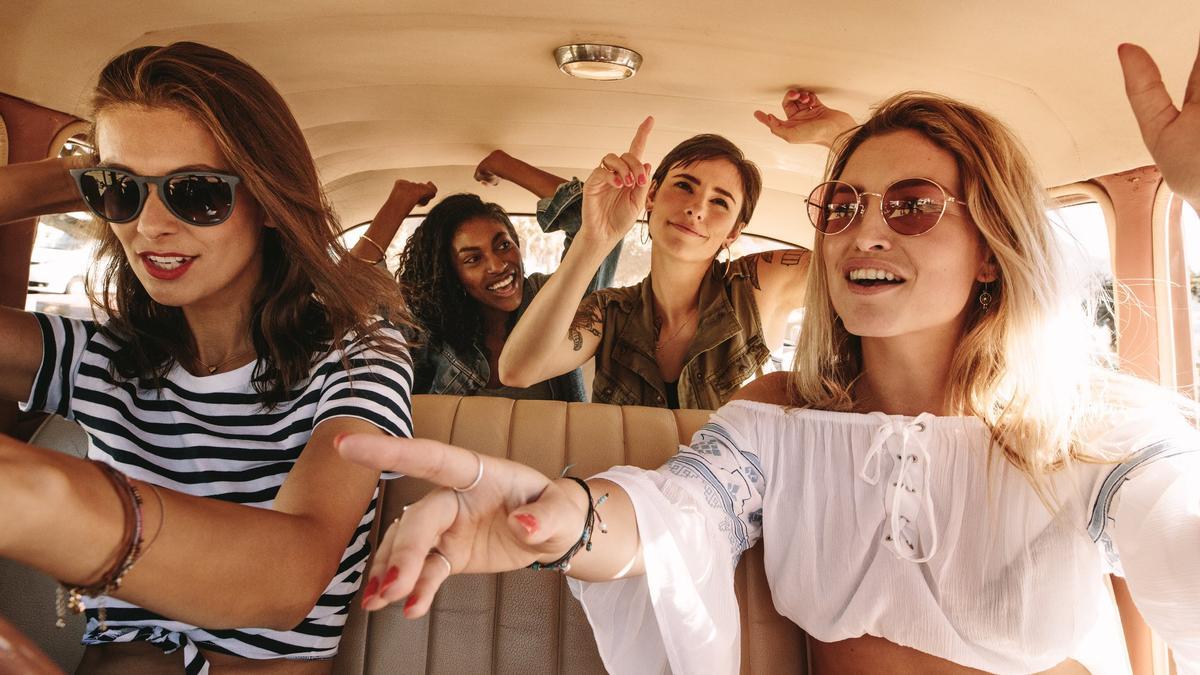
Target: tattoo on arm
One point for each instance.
(792, 257)
(588, 319)
(763, 257)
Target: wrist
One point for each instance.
(574, 529)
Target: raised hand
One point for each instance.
(407, 191)
(486, 172)
(615, 193)
(806, 119)
(511, 517)
(1171, 134)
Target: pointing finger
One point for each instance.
(436, 462)
(638, 146)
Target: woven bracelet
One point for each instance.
(71, 597)
(563, 564)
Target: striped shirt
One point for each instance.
(211, 437)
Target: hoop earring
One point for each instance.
(985, 298)
(728, 260)
(645, 234)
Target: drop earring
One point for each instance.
(985, 298)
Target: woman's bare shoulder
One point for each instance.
(770, 388)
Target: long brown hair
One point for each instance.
(312, 293)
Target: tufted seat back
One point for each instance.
(518, 622)
(525, 621)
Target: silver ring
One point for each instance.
(478, 476)
(443, 558)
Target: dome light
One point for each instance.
(597, 62)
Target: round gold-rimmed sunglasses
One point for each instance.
(910, 206)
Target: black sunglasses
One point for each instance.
(195, 197)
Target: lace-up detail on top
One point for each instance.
(909, 495)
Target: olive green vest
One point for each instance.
(727, 350)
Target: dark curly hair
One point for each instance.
(431, 286)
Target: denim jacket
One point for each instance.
(440, 369)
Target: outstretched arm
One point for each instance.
(32, 189)
(556, 333)
(1171, 134)
(806, 119)
(68, 522)
(499, 165)
(28, 190)
(513, 517)
(404, 197)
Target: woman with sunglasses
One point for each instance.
(696, 328)
(943, 480)
(213, 523)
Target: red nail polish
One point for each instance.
(642, 179)
(617, 182)
(528, 522)
(393, 573)
(412, 600)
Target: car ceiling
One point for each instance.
(423, 90)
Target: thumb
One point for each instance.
(552, 523)
(770, 120)
(1148, 97)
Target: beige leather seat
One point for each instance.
(519, 622)
(525, 621)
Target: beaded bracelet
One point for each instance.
(71, 597)
(563, 564)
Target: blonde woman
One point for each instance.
(943, 480)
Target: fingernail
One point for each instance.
(412, 600)
(393, 573)
(528, 522)
(642, 179)
(629, 180)
(337, 441)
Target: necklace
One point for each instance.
(214, 368)
(658, 344)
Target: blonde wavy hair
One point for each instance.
(1023, 366)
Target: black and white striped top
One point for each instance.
(210, 437)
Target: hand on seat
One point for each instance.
(806, 119)
(512, 516)
(1171, 134)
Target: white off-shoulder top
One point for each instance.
(907, 529)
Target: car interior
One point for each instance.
(424, 90)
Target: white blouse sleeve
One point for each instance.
(695, 515)
(1154, 527)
